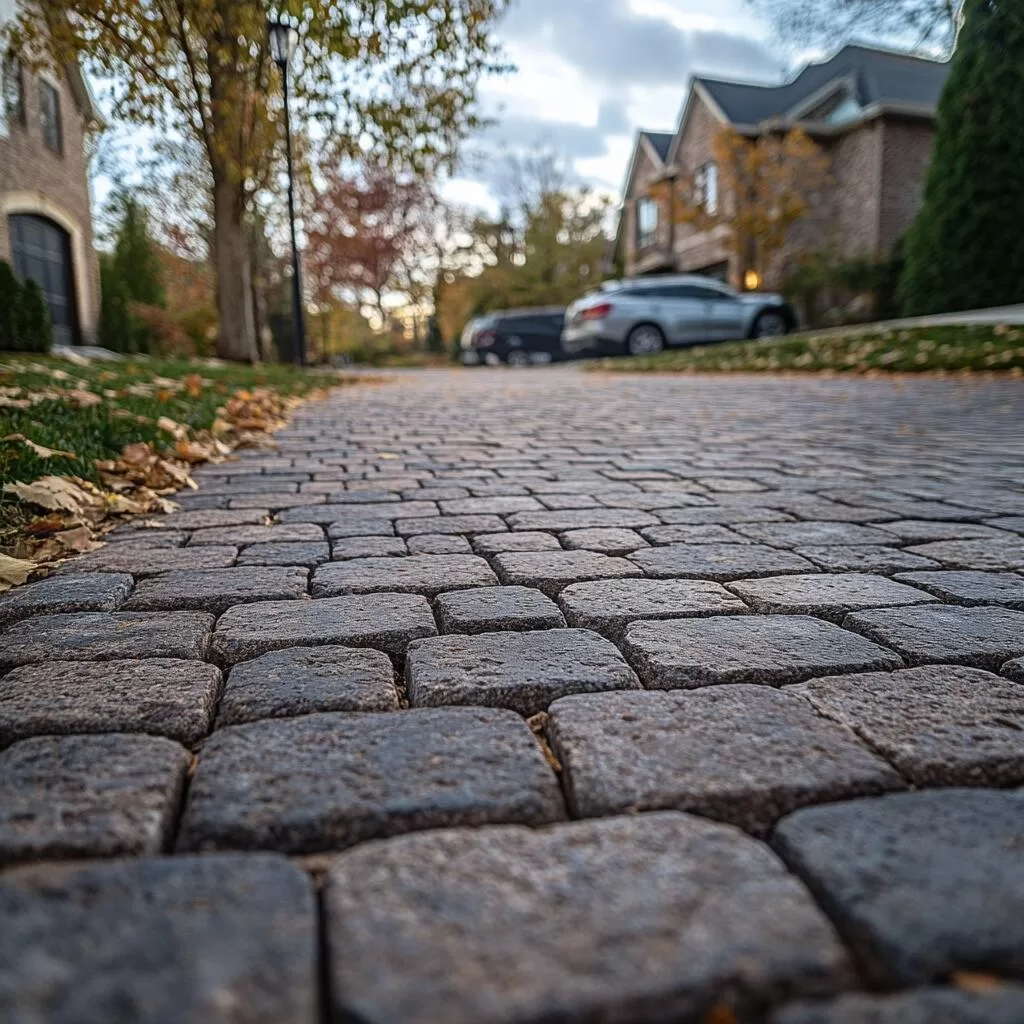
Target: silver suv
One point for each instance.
(643, 315)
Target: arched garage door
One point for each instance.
(42, 252)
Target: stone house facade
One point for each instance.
(46, 230)
(871, 111)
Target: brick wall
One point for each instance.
(857, 188)
(906, 155)
(33, 179)
(645, 173)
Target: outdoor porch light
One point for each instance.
(283, 38)
(752, 280)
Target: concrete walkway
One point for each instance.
(538, 696)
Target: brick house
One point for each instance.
(45, 212)
(871, 111)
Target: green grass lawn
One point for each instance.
(93, 411)
(857, 350)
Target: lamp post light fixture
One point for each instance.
(283, 38)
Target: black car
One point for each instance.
(518, 337)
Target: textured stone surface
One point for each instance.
(985, 637)
(367, 547)
(103, 636)
(971, 588)
(308, 680)
(718, 561)
(1004, 1004)
(239, 536)
(146, 561)
(920, 884)
(449, 525)
(687, 653)
(643, 919)
(310, 554)
(710, 534)
(742, 754)
(494, 543)
(925, 531)
(202, 519)
(865, 558)
(385, 621)
(159, 696)
(523, 671)
(361, 528)
(219, 939)
(417, 574)
(77, 592)
(329, 514)
(975, 554)
(88, 796)
(792, 535)
(607, 541)
(438, 544)
(608, 606)
(490, 609)
(828, 595)
(325, 782)
(216, 590)
(940, 725)
(582, 519)
(1014, 670)
(551, 571)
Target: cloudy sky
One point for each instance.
(590, 72)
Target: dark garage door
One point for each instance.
(42, 252)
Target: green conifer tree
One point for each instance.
(136, 262)
(35, 329)
(966, 248)
(10, 307)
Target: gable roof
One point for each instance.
(877, 76)
(660, 142)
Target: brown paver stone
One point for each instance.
(522, 671)
(325, 782)
(104, 636)
(221, 939)
(940, 725)
(659, 916)
(718, 562)
(742, 754)
(608, 606)
(774, 649)
(985, 636)
(88, 796)
(308, 680)
(489, 609)
(78, 592)
(158, 696)
(384, 621)
(919, 884)
(417, 574)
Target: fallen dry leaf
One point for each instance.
(40, 450)
(975, 981)
(172, 427)
(81, 398)
(53, 493)
(14, 571)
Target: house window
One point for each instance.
(706, 188)
(49, 116)
(646, 223)
(12, 93)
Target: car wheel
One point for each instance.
(517, 357)
(645, 340)
(770, 324)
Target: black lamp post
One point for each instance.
(283, 38)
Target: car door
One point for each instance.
(726, 315)
(685, 313)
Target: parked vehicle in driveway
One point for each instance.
(518, 337)
(641, 316)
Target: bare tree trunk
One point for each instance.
(236, 339)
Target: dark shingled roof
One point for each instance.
(661, 141)
(881, 77)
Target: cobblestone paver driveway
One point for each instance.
(538, 697)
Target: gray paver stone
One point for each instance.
(940, 725)
(216, 590)
(77, 592)
(325, 782)
(308, 554)
(145, 561)
(361, 528)
(223, 939)
(438, 544)
(770, 649)
(494, 543)
(417, 574)
(971, 588)
(683, 534)
(811, 533)
(582, 519)
(719, 562)
(829, 595)
(308, 680)
(367, 547)
(1003, 1005)
(551, 571)
(384, 621)
(239, 536)
(1014, 670)
(489, 609)
(522, 671)
(919, 884)
(742, 754)
(202, 519)
(103, 636)
(449, 525)
(975, 554)
(88, 796)
(865, 558)
(924, 531)
(158, 696)
(645, 919)
(608, 606)
(607, 541)
(985, 637)
(331, 513)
